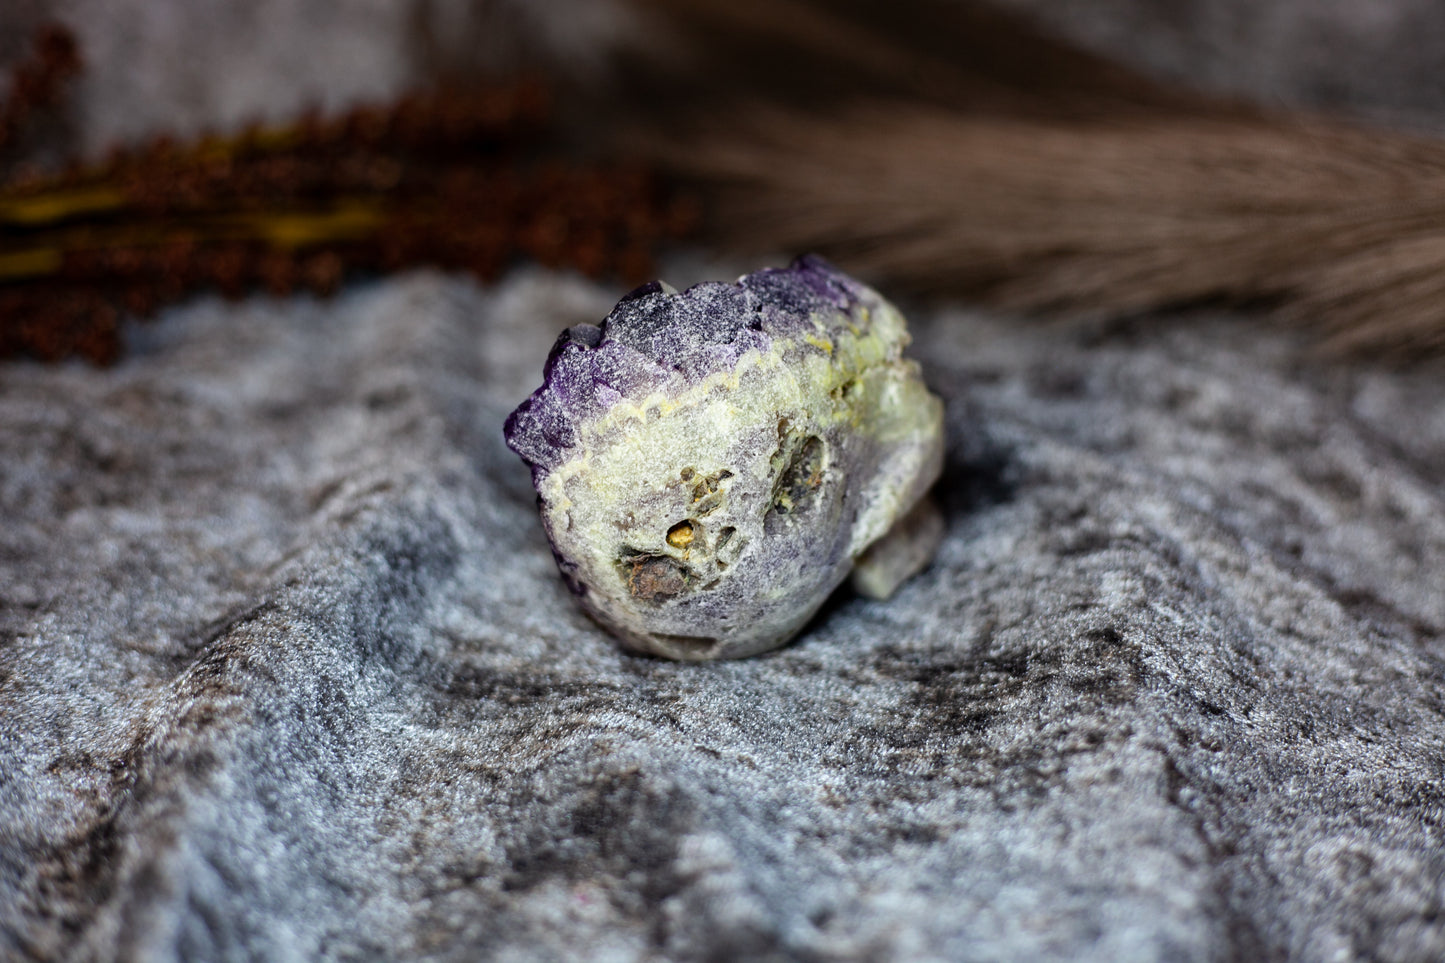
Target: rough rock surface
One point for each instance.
(286, 669)
(710, 463)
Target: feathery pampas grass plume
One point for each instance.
(1036, 177)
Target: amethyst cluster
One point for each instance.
(711, 464)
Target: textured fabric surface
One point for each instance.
(287, 671)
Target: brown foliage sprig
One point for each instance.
(461, 180)
(36, 83)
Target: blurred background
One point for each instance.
(166, 65)
(1089, 158)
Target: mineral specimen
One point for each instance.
(711, 464)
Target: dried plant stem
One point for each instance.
(1339, 227)
(37, 82)
(953, 148)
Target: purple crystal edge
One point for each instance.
(652, 335)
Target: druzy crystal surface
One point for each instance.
(711, 464)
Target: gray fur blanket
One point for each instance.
(287, 672)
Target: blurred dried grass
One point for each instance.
(936, 146)
(950, 147)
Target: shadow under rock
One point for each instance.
(978, 470)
